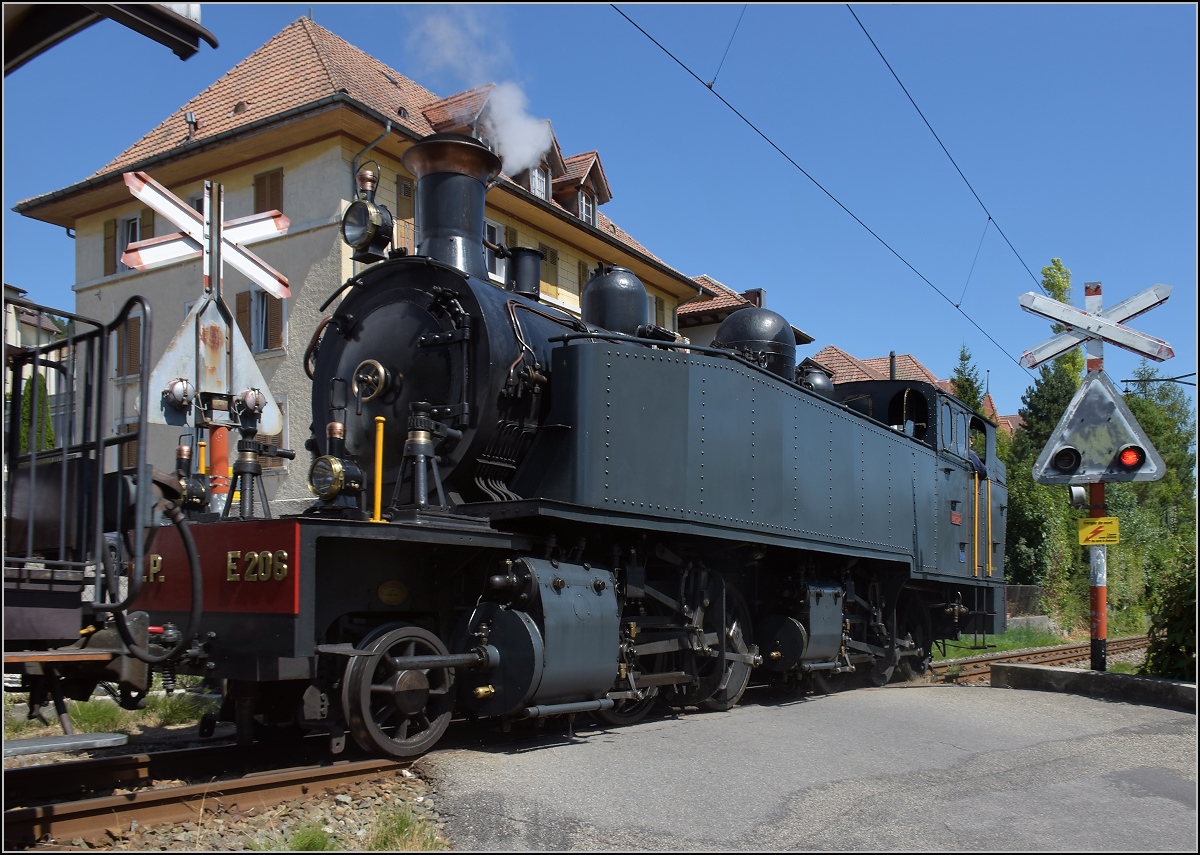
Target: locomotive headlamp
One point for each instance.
(330, 477)
(367, 227)
(325, 478)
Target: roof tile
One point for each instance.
(302, 64)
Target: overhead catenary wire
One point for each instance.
(821, 187)
(973, 261)
(991, 219)
(721, 64)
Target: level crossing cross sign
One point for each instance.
(190, 242)
(209, 361)
(1095, 325)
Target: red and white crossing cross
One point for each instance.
(1095, 327)
(190, 241)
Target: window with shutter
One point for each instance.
(261, 319)
(146, 224)
(129, 343)
(242, 314)
(584, 275)
(127, 454)
(510, 235)
(128, 230)
(550, 267)
(273, 310)
(268, 191)
(404, 198)
(406, 228)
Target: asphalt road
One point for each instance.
(906, 767)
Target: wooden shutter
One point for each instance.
(134, 361)
(510, 236)
(110, 247)
(129, 342)
(127, 458)
(404, 198)
(274, 307)
(242, 313)
(146, 227)
(583, 275)
(550, 267)
(268, 191)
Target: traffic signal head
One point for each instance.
(1130, 457)
(1066, 459)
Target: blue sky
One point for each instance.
(1075, 126)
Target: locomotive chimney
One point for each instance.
(453, 172)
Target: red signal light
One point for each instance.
(1131, 457)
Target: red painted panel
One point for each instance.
(250, 566)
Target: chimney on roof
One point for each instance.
(892, 365)
(192, 124)
(757, 297)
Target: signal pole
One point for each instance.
(1097, 440)
(1098, 577)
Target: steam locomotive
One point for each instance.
(522, 514)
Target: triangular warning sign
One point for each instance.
(1097, 440)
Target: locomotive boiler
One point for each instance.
(522, 514)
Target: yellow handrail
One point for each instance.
(989, 513)
(975, 521)
(378, 515)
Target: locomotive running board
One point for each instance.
(535, 509)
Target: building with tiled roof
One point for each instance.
(700, 319)
(285, 129)
(844, 368)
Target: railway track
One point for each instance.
(979, 668)
(88, 798)
(91, 799)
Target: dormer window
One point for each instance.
(539, 183)
(587, 208)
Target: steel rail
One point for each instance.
(93, 818)
(979, 667)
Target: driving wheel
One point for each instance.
(398, 711)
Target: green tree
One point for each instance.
(1042, 547)
(965, 380)
(1056, 281)
(45, 429)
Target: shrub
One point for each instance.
(1172, 652)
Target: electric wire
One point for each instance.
(940, 143)
(820, 187)
(973, 260)
(721, 64)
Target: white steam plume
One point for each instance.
(520, 138)
(458, 42)
(467, 43)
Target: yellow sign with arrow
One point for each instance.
(1099, 531)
